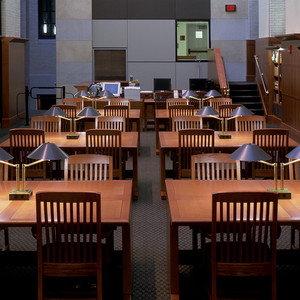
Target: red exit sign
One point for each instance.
(230, 7)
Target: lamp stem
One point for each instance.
(24, 166)
(281, 176)
(275, 176)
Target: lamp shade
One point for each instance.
(4, 155)
(105, 93)
(88, 111)
(241, 111)
(250, 152)
(55, 112)
(48, 151)
(213, 93)
(207, 111)
(295, 153)
(94, 89)
(81, 93)
(189, 93)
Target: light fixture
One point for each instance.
(253, 153)
(45, 152)
(4, 156)
(213, 93)
(81, 93)
(189, 93)
(294, 154)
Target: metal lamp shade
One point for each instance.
(81, 93)
(48, 151)
(55, 112)
(189, 93)
(88, 111)
(213, 93)
(295, 153)
(4, 155)
(207, 111)
(241, 111)
(106, 94)
(250, 152)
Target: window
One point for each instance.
(193, 40)
(47, 27)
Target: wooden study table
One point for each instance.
(129, 142)
(168, 141)
(115, 210)
(190, 205)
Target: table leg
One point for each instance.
(135, 174)
(163, 174)
(126, 259)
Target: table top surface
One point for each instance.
(169, 139)
(190, 201)
(115, 200)
(128, 140)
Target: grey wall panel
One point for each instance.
(154, 9)
(145, 72)
(109, 9)
(151, 40)
(236, 71)
(192, 9)
(218, 10)
(226, 29)
(185, 71)
(74, 30)
(235, 51)
(71, 72)
(110, 33)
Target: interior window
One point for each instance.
(193, 40)
(47, 26)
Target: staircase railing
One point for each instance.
(261, 74)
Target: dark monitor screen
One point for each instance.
(198, 84)
(162, 84)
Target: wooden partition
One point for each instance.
(13, 80)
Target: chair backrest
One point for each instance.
(196, 102)
(160, 99)
(180, 110)
(68, 237)
(226, 109)
(177, 101)
(274, 141)
(110, 122)
(106, 142)
(216, 102)
(191, 142)
(3, 172)
(46, 123)
(244, 233)
(78, 102)
(186, 122)
(70, 111)
(22, 142)
(88, 167)
(118, 101)
(250, 123)
(215, 166)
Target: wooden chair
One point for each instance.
(106, 142)
(118, 110)
(196, 102)
(180, 110)
(216, 102)
(186, 122)
(160, 99)
(215, 166)
(70, 111)
(46, 123)
(250, 123)
(85, 167)
(191, 142)
(110, 122)
(274, 141)
(225, 110)
(68, 246)
(177, 101)
(118, 101)
(244, 233)
(22, 142)
(78, 102)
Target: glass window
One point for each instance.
(193, 40)
(47, 27)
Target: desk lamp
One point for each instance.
(45, 152)
(81, 93)
(294, 154)
(213, 94)
(6, 156)
(253, 153)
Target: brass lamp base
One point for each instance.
(72, 136)
(282, 193)
(224, 135)
(20, 194)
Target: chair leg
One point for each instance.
(6, 239)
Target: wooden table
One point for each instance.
(190, 205)
(168, 141)
(115, 210)
(129, 142)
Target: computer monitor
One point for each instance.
(198, 84)
(113, 87)
(162, 84)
